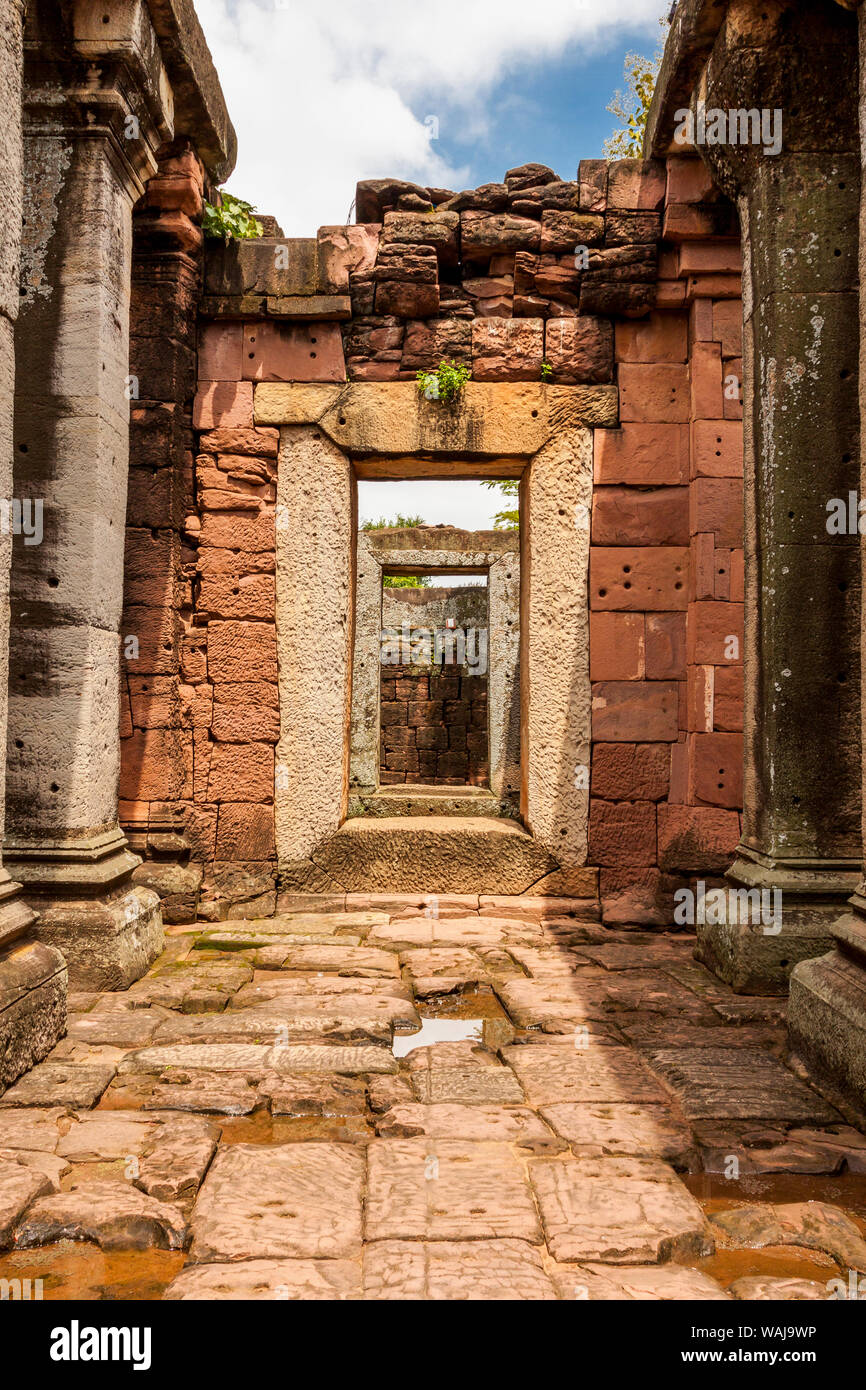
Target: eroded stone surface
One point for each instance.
(760, 1288)
(447, 1190)
(512, 1125)
(173, 1151)
(812, 1225)
(20, 1185)
(116, 1215)
(656, 1283)
(555, 1072)
(641, 1131)
(78, 1084)
(475, 1269)
(721, 1083)
(268, 1279)
(286, 1201)
(617, 1211)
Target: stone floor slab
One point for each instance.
(761, 1288)
(808, 1225)
(554, 1073)
(496, 1123)
(172, 1151)
(472, 1270)
(286, 1201)
(638, 1131)
(437, 1189)
(617, 1211)
(644, 1283)
(737, 1083)
(20, 1186)
(279, 1280)
(467, 1086)
(77, 1084)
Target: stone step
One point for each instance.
(446, 854)
(418, 800)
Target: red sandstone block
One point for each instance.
(728, 327)
(505, 349)
(223, 405)
(434, 737)
(636, 185)
(196, 704)
(702, 576)
(636, 516)
(697, 839)
(705, 378)
(125, 725)
(241, 772)
(686, 222)
(714, 287)
(240, 720)
(717, 769)
(622, 832)
(616, 646)
(711, 258)
(699, 696)
(293, 352)
(237, 596)
(258, 442)
(241, 651)
(671, 294)
(728, 698)
(701, 321)
(157, 764)
(737, 576)
(245, 832)
(393, 712)
(396, 736)
(716, 505)
(723, 575)
(630, 771)
(678, 794)
(657, 338)
(221, 352)
(580, 350)
(657, 393)
(733, 388)
(715, 634)
(665, 646)
(154, 701)
(634, 711)
(428, 712)
(717, 449)
(232, 531)
(688, 180)
(634, 896)
(647, 578)
(642, 454)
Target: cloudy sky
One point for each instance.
(448, 93)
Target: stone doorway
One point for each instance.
(329, 598)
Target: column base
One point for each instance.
(773, 916)
(827, 1017)
(33, 981)
(109, 930)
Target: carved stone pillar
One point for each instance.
(827, 1009)
(97, 105)
(798, 210)
(32, 975)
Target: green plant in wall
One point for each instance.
(445, 384)
(231, 219)
(546, 372)
(632, 106)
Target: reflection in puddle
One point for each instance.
(436, 1030)
(73, 1269)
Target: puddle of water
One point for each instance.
(778, 1263)
(264, 1128)
(478, 1010)
(436, 1030)
(716, 1193)
(74, 1269)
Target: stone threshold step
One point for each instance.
(417, 799)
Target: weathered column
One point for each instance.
(32, 975)
(97, 105)
(827, 1008)
(795, 65)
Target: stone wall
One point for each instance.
(628, 275)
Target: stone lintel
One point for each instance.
(692, 33)
(310, 308)
(200, 106)
(387, 418)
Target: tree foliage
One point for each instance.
(631, 107)
(509, 518)
(231, 219)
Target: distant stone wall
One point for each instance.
(434, 717)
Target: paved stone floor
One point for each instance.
(585, 1113)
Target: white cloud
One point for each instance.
(325, 92)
